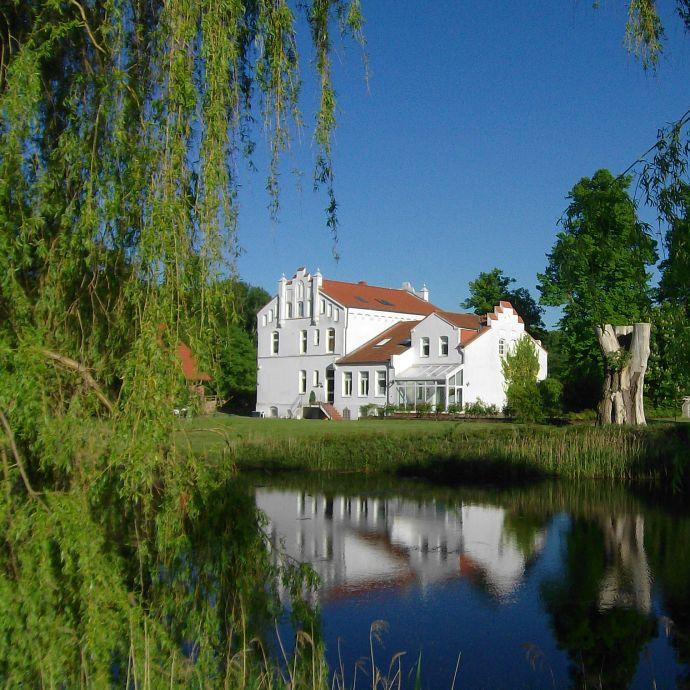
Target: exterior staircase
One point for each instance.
(330, 412)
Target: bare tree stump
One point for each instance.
(626, 351)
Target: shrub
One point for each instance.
(551, 393)
(520, 369)
(423, 408)
(312, 398)
(479, 408)
(453, 409)
(370, 410)
(583, 415)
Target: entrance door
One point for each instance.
(330, 385)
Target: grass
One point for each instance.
(446, 450)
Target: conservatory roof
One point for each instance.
(428, 372)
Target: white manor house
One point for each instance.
(348, 345)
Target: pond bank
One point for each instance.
(658, 454)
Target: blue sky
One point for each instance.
(477, 120)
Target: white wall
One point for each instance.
(483, 373)
(365, 324)
(355, 401)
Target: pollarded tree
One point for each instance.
(598, 272)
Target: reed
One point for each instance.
(658, 455)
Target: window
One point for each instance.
(270, 315)
(443, 346)
(300, 290)
(381, 382)
(363, 384)
(501, 348)
(315, 378)
(347, 383)
(424, 347)
(302, 342)
(322, 307)
(309, 311)
(302, 381)
(275, 342)
(317, 337)
(264, 319)
(289, 310)
(300, 309)
(331, 340)
(329, 311)
(336, 314)
(382, 342)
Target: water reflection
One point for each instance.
(357, 543)
(595, 579)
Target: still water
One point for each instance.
(550, 585)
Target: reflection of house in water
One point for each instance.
(359, 543)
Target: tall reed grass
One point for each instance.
(658, 455)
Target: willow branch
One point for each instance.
(17, 457)
(86, 26)
(85, 374)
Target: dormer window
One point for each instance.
(443, 346)
(424, 347)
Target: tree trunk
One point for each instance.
(626, 351)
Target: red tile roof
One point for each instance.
(363, 296)
(371, 352)
(470, 321)
(189, 367)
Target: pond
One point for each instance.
(547, 585)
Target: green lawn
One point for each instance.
(210, 430)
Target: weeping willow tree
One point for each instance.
(122, 125)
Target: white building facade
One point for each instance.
(353, 345)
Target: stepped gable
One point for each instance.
(393, 341)
(363, 296)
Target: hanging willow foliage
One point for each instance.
(121, 126)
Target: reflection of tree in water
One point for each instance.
(599, 607)
(667, 541)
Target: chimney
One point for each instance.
(424, 293)
(407, 285)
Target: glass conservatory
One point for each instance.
(433, 386)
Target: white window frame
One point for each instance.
(424, 345)
(380, 382)
(264, 320)
(270, 315)
(502, 347)
(363, 383)
(315, 378)
(443, 343)
(336, 314)
(322, 306)
(329, 310)
(289, 310)
(300, 290)
(275, 343)
(303, 342)
(347, 384)
(316, 337)
(330, 346)
(300, 309)
(302, 382)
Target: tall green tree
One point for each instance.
(598, 272)
(520, 369)
(490, 287)
(121, 126)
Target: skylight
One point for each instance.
(383, 342)
(384, 301)
(361, 299)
